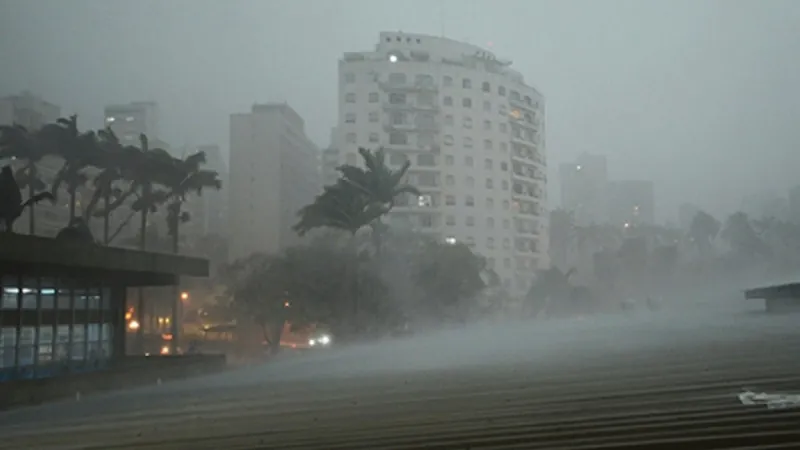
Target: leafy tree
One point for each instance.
(111, 163)
(451, 277)
(78, 150)
(741, 236)
(17, 143)
(11, 204)
(189, 178)
(703, 229)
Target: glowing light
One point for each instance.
(133, 325)
(578, 167)
(165, 350)
(392, 58)
(286, 304)
(450, 240)
(184, 296)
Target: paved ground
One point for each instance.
(654, 383)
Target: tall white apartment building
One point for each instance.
(130, 120)
(274, 171)
(474, 133)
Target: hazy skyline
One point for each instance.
(699, 96)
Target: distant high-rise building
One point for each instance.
(274, 171)
(31, 112)
(474, 132)
(130, 120)
(584, 189)
(631, 202)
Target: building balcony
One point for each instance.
(412, 127)
(521, 103)
(408, 87)
(410, 107)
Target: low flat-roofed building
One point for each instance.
(63, 307)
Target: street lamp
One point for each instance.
(184, 296)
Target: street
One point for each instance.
(652, 382)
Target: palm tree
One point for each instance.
(190, 178)
(17, 143)
(378, 183)
(703, 229)
(11, 204)
(79, 151)
(111, 162)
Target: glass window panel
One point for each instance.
(106, 300)
(78, 342)
(63, 298)
(29, 290)
(62, 342)
(27, 340)
(80, 299)
(106, 342)
(8, 341)
(94, 299)
(45, 344)
(48, 293)
(10, 291)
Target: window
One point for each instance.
(501, 91)
(490, 222)
(489, 203)
(373, 137)
(504, 166)
(424, 201)
(425, 140)
(450, 180)
(489, 183)
(397, 158)
(487, 125)
(373, 116)
(449, 160)
(426, 221)
(398, 138)
(487, 164)
(448, 139)
(447, 101)
(470, 201)
(468, 142)
(466, 83)
(397, 98)
(423, 80)
(398, 118)
(397, 78)
(468, 161)
(486, 87)
(490, 243)
(448, 120)
(426, 160)
(470, 182)
(425, 99)
(350, 138)
(470, 221)
(450, 200)
(466, 102)
(487, 106)
(349, 78)
(450, 220)
(373, 97)
(467, 122)
(487, 144)
(426, 179)
(350, 118)
(447, 81)
(350, 98)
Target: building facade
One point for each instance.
(631, 203)
(474, 132)
(130, 120)
(274, 171)
(584, 189)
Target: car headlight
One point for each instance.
(325, 339)
(312, 342)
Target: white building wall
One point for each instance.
(475, 137)
(274, 171)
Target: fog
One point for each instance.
(699, 96)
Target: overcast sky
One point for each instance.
(699, 96)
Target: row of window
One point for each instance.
(428, 100)
(25, 298)
(48, 344)
(400, 78)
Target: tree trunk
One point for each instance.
(106, 217)
(141, 303)
(352, 269)
(31, 193)
(176, 291)
(71, 206)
